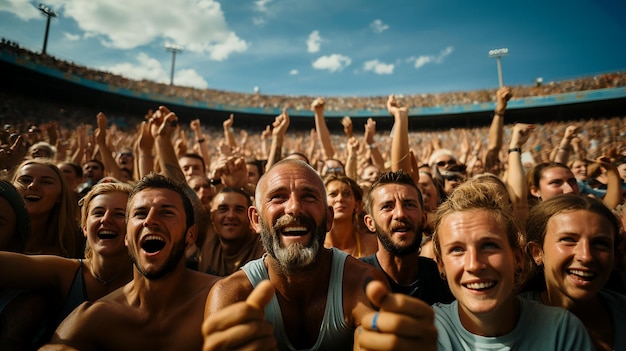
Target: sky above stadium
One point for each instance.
(330, 47)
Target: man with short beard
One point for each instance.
(395, 212)
(161, 308)
(315, 298)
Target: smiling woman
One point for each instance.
(572, 242)
(478, 250)
(52, 209)
(69, 282)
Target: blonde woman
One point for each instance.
(69, 282)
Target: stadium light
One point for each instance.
(174, 49)
(49, 13)
(498, 54)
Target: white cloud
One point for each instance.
(378, 26)
(197, 25)
(293, 72)
(190, 78)
(261, 5)
(150, 68)
(378, 67)
(24, 10)
(332, 63)
(314, 41)
(426, 59)
(259, 21)
(71, 37)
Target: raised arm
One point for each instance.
(516, 176)
(400, 144)
(322, 129)
(106, 154)
(145, 149)
(281, 123)
(496, 130)
(228, 132)
(370, 144)
(565, 146)
(201, 141)
(351, 162)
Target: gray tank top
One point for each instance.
(334, 333)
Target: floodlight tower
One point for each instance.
(49, 13)
(498, 54)
(174, 49)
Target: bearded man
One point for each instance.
(395, 212)
(316, 299)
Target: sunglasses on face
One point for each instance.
(443, 163)
(330, 170)
(127, 154)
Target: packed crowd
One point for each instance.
(243, 100)
(166, 235)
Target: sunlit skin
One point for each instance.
(190, 166)
(579, 169)
(203, 189)
(287, 190)
(577, 256)
(555, 181)
(340, 197)
(229, 215)
(40, 188)
(370, 173)
(479, 265)
(429, 192)
(396, 217)
(105, 227)
(621, 169)
(155, 216)
(253, 174)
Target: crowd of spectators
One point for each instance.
(339, 103)
(43, 139)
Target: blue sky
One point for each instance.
(330, 47)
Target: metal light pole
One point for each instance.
(174, 49)
(49, 13)
(498, 54)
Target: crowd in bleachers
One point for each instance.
(237, 99)
(398, 183)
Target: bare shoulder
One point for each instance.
(82, 329)
(227, 291)
(356, 276)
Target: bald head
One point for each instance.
(287, 166)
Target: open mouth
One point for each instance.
(106, 234)
(152, 244)
(480, 286)
(32, 198)
(581, 275)
(294, 230)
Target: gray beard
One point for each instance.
(295, 257)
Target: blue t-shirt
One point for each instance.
(539, 327)
(615, 302)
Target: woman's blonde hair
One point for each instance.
(99, 189)
(63, 218)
